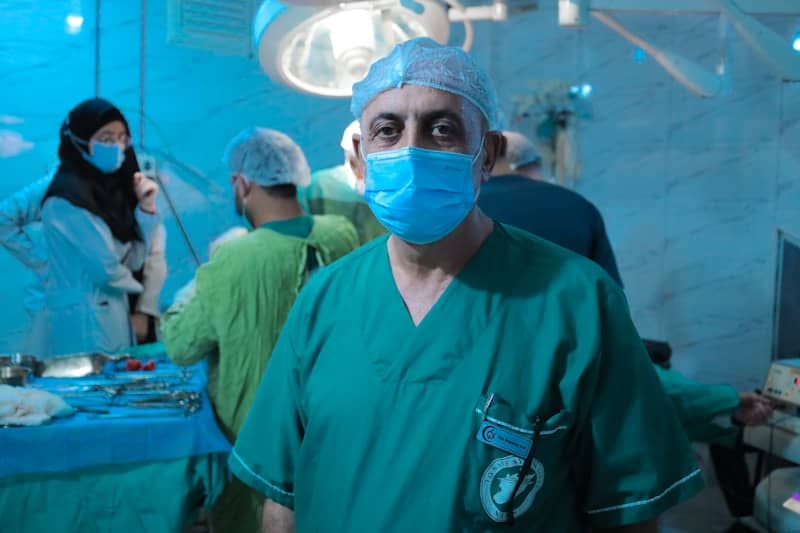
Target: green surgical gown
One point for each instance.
(372, 425)
(242, 298)
(330, 194)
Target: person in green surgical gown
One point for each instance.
(493, 382)
(338, 191)
(243, 294)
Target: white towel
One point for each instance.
(20, 406)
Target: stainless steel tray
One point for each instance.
(75, 365)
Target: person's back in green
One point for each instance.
(338, 191)
(242, 298)
(243, 294)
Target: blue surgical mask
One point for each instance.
(420, 195)
(107, 158)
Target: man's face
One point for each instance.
(426, 118)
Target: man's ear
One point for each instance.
(243, 183)
(492, 148)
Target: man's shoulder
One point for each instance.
(254, 244)
(540, 187)
(535, 258)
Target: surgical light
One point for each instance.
(796, 43)
(325, 50)
(352, 37)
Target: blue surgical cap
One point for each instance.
(425, 62)
(267, 157)
(520, 151)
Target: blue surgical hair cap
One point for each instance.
(520, 151)
(267, 157)
(423, 61)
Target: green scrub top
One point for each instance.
(330, 194)
(372, 425)
(704, 410)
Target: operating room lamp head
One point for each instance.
(323, 47)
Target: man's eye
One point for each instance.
(386, 131)
(442, 130)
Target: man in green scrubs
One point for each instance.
(338, 191)
(494, 382)
(243, 294)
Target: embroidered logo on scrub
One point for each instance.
(498, 482)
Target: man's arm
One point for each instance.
(602, 253)
(277, 518)
(633, 453)
(187, 328)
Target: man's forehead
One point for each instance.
(418, 101)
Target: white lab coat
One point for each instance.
(89, 277)
(19, 217)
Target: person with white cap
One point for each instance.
(339, 191)
(518, 195)
(243, 294)
(493, 382)
(518, 156)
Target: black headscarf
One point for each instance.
(109, 196)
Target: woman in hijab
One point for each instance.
(98, 219)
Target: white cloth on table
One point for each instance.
(30, 407)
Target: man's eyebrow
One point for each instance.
(384, 116)
(443, 113)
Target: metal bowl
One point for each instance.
(18, 359)
(16, 376)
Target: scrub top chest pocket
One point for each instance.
(519, 467)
